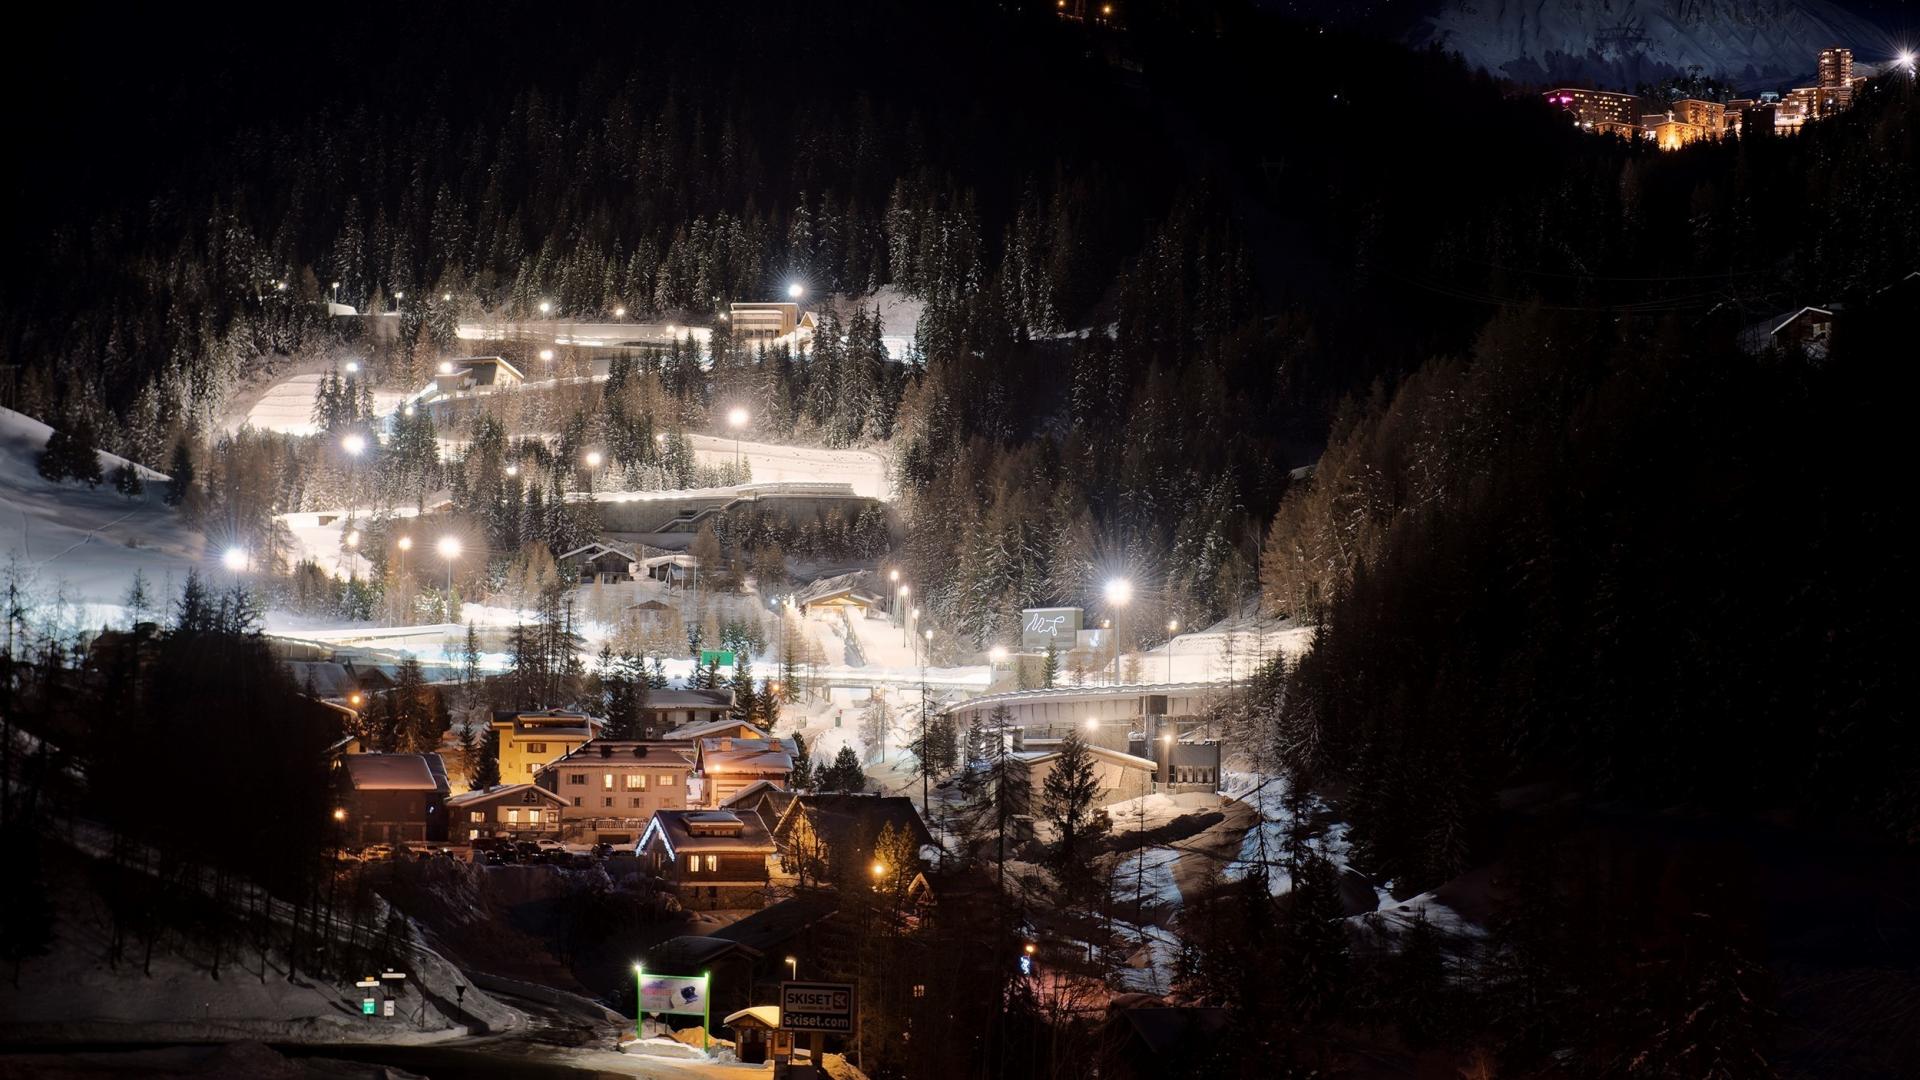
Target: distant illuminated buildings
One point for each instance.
(1691, 120)
(1598, 111)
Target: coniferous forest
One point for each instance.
(1272, 316)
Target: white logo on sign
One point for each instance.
(1043, 624)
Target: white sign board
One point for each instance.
(1040, 627)
(830, 1008)
(683, 994)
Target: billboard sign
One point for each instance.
(1056, 626)
(719, 657)
(685, 995)
(828, 1008)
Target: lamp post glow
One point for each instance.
(546, 308)
(736, 419)
(1173, 628)
(546, 355)
(793, 967)
(405, 544)
(449, 548)
(1119, 592)
(619, 313)
(354, 444)
(235, 560)
(905, 591)
(795, 291)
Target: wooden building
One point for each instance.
(393, 798)
(712, 858)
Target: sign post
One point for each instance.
(681, 995)
(819, 1009)
(369, 1005)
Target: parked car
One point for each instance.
(549, 845)
(492, 856)
(601, 850)
(526, 849)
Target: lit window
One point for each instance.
(477, 815)
(693, 864)
(513, 815)
(606, 781)
(636, 781)
(713, 863)
(533, 817)
(536, 748)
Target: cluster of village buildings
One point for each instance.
(1689, 120)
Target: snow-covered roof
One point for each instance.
(656, 753)
(717, 698)
(705, 831)
(857, 585)
(1791, 319)
(765, 1014)
(1087, 693)
(503, 793)
(394, 772)
(594, 551)
(718, 726)
(730, 755)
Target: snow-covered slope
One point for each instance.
(88, 539)
(1756, 44)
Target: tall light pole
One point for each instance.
(1119, 591)
(1173, 627)
(591, 459)
(893, 609)
(449, 548)
(924, 747)
(354, 444)
(736, 419)
(405, 545)
(906, 591)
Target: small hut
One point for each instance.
(754, 1031)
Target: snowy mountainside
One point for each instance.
(86, 542)
(1618, 44)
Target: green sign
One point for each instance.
(367, 1006)
(722, 657)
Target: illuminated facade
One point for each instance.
(1597, 110)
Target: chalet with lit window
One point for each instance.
(393, 798)
(610, 788)
(602, 564)
(515, 810)
(827, 836)
(724, 766)
(667, 712)
(531, 740)
(711, 858)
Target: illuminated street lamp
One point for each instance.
(1119, 592)
(354, 444)
(449, 548)
(405, 545)
(446, 367)
(592, 459)
(793, 968)
(736, 419)
(796, 290)
(1173, 627)
(547, 355)
(546, 308)
(619, 313)
(353, 367)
